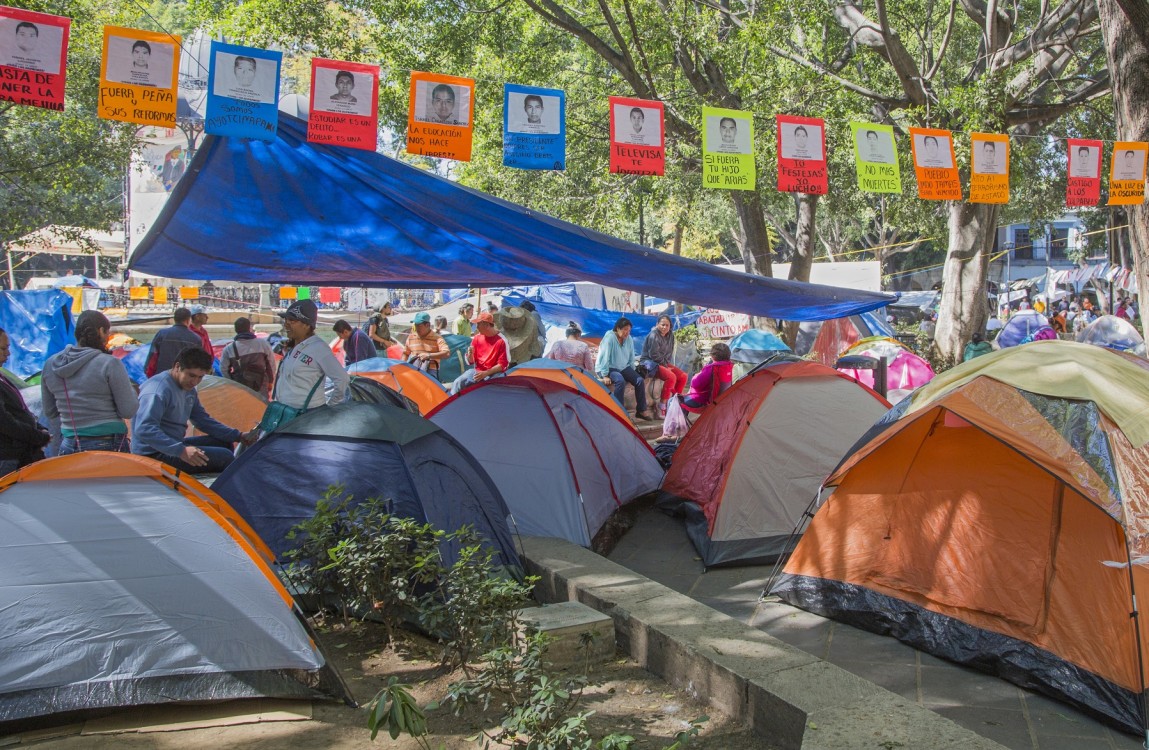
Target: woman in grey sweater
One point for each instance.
(87, 392)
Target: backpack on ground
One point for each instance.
(252, 370)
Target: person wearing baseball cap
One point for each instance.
(299, 382)
(198, 320)
(487, 354)
(425, 347)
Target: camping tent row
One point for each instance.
(997, 518)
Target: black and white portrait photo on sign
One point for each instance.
(989, 157)
(875, 146)
(30, 46)
(640, 126)
(343, 91)
(801, 142)
(140, 62)
(533, 113)
(442, 103)
(1129, 164)
(728, 135)
(933, 151)
(1083, 162)
(249, 79)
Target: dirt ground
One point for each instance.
(626, 699)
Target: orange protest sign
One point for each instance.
(138, 75)
(189, 292)
(160, 295)
(989, 168)
(439, 119)
(287, 292)
(138, 292)
(1127, 173)
(934, 164)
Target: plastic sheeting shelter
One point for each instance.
(905, 370)
(754, 346)
(38, 324)
(1113, 332)
(562, 462)
(754, 461)
(423, 389)
(1022, 327)
(124, 584)
(997, 519)
(834, 337)
(595, 323)
(374, 451)
(289, 211)
(572, 376)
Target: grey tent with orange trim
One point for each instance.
(123, 583)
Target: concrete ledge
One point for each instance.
(791, 698)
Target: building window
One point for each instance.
(1022, 245)
(1058, 244)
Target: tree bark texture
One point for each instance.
(756, 249)
(1127, 51)
(805, 240)
(963, 306)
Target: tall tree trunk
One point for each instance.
(756, 251)
(1127, 50)
(963, 307)
(804, 243)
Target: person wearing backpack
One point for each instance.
(248, 360)
(379, 329)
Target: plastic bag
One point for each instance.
(674, 424)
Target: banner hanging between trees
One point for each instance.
(934, 164)
(440, 116)
(876, 157)
(801, 155)
(1127, 174)
(33, 58)
(138, 76)
(1083, 169)
(242, 91)
(637, 136)
(534, 127)
(728, 149)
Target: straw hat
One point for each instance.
(520, 331)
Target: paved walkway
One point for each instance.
(658, 548)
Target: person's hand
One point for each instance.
(250, 437)
(193, 456)
(606, 380)
(45, 437)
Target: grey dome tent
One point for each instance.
(124, 584)
(375, 451)
(562, 461)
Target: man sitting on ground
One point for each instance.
(167, 402)
(488, 354)
(357, 345)
(426, 347)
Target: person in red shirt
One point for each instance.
(199, 319)
(488, 354)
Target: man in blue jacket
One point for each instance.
(168, 402)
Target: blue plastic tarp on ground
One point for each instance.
(38, 324)
(288, 211)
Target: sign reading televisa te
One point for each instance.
(33, 55)
(138, 75)
(242, 92)
(344, 104)
(637, 136)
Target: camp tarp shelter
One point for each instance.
(562, 462)
(997, 519)
(230, 402)
(754, 461)
(753, 346)
(1114, 333)
(572, 376)
(454, 364)
(905, 370)
(376, 451)
(289, 211)
(38, 324)
(596, 323)
(124, 583)
(834, 337)
(1021, 328)
(425, 390)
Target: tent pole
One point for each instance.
(11, 271)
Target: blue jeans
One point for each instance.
(219, 456)
(113, 443)
(618, 381)
(468, 378)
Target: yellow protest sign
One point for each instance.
(138, 76)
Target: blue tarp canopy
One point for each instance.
(597, 323)
(38, 324)
(288, 211)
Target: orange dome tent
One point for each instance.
(404, 379)
(572, 376)
(231, 403)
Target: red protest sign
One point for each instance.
(802, 155)
(1083, 173)
(637, 137)
(344, 104)
(33, 54)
